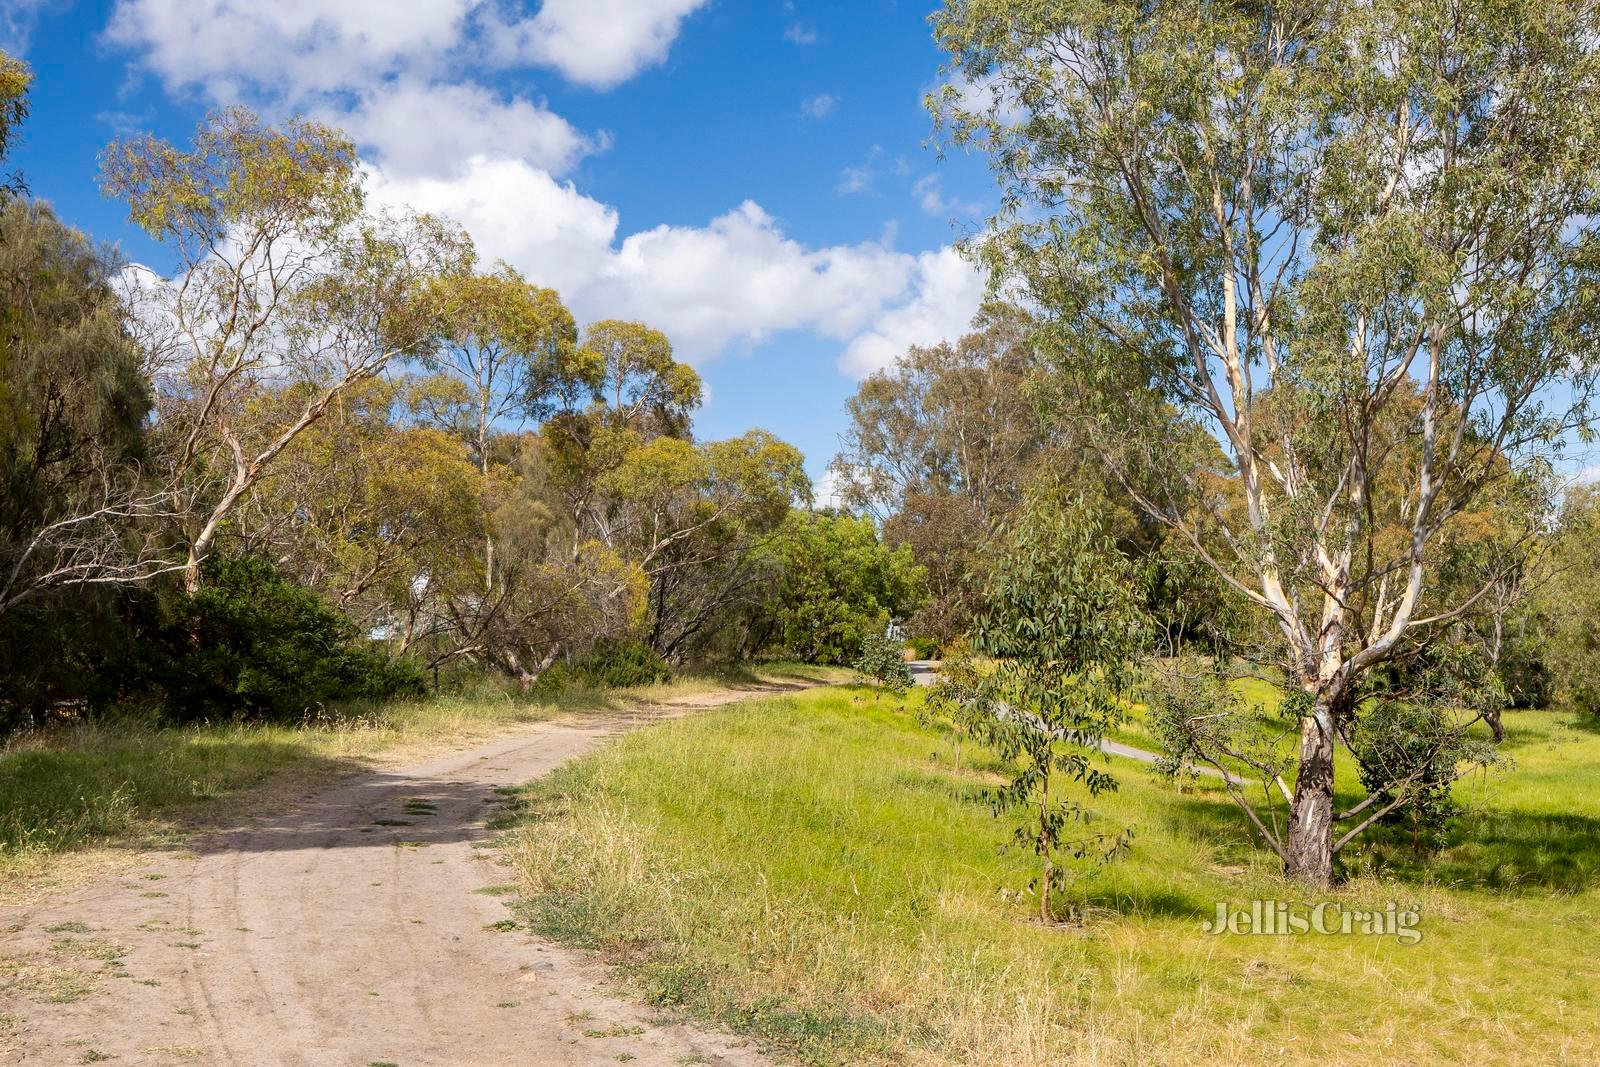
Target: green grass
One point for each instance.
(127, 782)
(812, 871)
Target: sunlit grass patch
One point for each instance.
(813, 870)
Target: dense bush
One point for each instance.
(1420, 744)
(923, 647)
(619, 664)
(251, 643)
(839, 584)
(609, 665)
(883, 663)
(70, 657)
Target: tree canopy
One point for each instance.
(1352, 244)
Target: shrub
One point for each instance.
(1418, 743)
(621, 664)
(883, 663)
(839, 585)
(74, 654)
(252, 643)
(923, 647)
(609, 665)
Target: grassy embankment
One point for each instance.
(121, 782)
(814, 871)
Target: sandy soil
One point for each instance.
(321, 936)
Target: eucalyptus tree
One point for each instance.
(692, 516)
(376, 513)
(642, 393)
(643, 386)
(945, 419)
(1060, 632)
(1568, 603)
(512, 348)
(1355, 243)
(73, 507)
(939, 447)
(283, 280)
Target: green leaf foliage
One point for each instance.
(883, 663)
(15, 78)
(840, 585)
(1054, 650)
(252, 644)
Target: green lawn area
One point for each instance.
(126, 782)
(1250, 693)
(813, 871)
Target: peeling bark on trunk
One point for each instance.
(1308, 849)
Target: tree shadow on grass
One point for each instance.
(1145, 902)
(1589, 724)
(1495, 850)
(113, 792)
(1215, 822)
(1490, 850)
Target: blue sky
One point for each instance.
(752, 177)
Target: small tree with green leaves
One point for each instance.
(883, 663)
(1058, 640)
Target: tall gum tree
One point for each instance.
(938, 449)
(1287, 222)
(641, 394)
(73, 509)
(283, 280)
(512, 347)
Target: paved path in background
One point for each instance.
(926, 672)
(331, 935)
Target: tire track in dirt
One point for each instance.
(345, 930)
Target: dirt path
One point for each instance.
(350, 930)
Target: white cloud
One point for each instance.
(820, 106)
(17, 19)
(290, 49)
(860, 178)
(828, 493)
(598, 43)
(929, 194)
(740, 278)
(297, 49)
(389, 70)
(800, 34)
(734, 281)
(515, 212)
(418, 129)
(947, 292)
(854, 180)
(380, 69)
